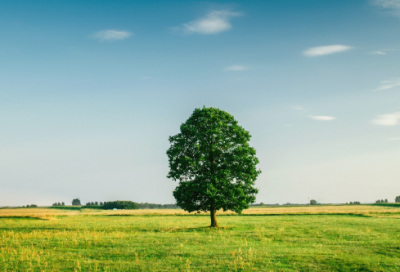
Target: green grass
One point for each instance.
(98, 207)
(86, 242)
(388, 204)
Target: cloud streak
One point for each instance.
(322, 118)
(393, 6)
(112, 35)
(391, 119)
(214, 22)
(387, 4)
(386, 85)
(326, 50)
(378, 53)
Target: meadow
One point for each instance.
(319, 238)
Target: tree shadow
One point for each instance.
(196, 229)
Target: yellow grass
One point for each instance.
(367, 210)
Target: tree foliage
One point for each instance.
(76, 202)
(121, 205)
(213, 162)
(397, 199)
(314, 202)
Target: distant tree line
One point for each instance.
(354, 203)
(120, 205)
(94, 203)
(263, 204)
(30, 206)
(157, 206)
(382, 201)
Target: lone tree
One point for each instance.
(314, 202)
(397, 199)
(76, 202)
(214, 164)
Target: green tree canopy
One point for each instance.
(76, 202)
(214, 164)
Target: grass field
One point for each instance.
(322, 238)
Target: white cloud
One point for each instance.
(394, 139)
(325, 50)
(112, 35)
(387, 4)
(214, 22)
(236, 68)
(393, 6)
(386, 85)
(378, 53)
(322, 118)
(391, 119)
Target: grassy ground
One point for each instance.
(326, 238)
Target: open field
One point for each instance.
(322, 238)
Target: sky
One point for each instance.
(90, 91)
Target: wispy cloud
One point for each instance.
(214, 22)
(236, 68)
(112, 35)
(392, 6)
(322, 118)
(391, 119)
(394, 139)
(326, 50)
(378, 53)
(386, 85)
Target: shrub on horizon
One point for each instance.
(125, 205)
(76, 202)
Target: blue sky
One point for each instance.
(91, 90)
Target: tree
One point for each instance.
(214, 164)
(314, 202)
(76, 202)
(386, 201)
(397, 199)
(63, 203)
(121, 205)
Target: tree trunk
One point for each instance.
(213, 214)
